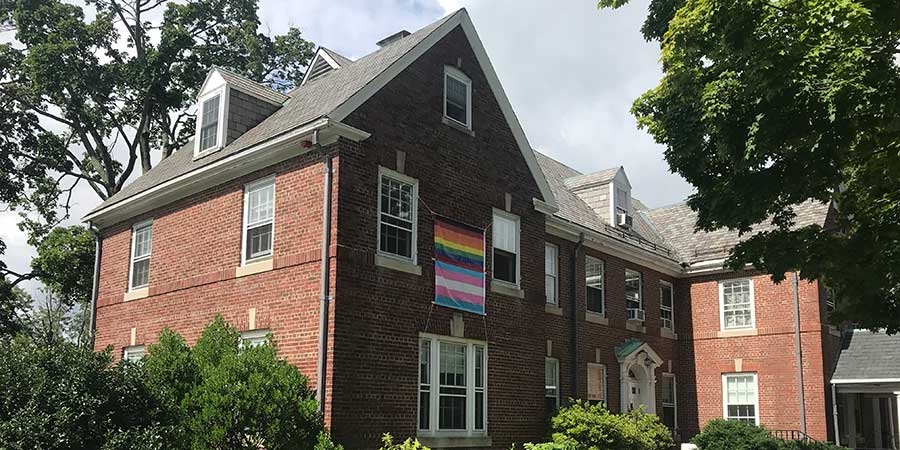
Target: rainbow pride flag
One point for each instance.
(458, 266)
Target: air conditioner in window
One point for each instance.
(624, 220)
(635, 314)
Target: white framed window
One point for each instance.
(397, 214)
(254, 338)
(211, 114)
(133, 353)
(593, 279)
(666, 305)
(551, 384)
(596, 381)
(622, 200)
(506, 247)
(740, 397)
(141, 248)
(259, 220)
(736, 304)
(551, 273)
(634, 301)
(452, 386)
(457, 97)
(669, 401)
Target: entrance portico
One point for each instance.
(866, 388)
(637, 366)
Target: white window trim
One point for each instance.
(725, 377)
(674, 404)
(222, 127)
(602, 287)
(385, 172)
(555, 361)
(462, 78)
(134, 229)
(134, 348)
(670, 309)
(722, 305)
(603, 382)
(516, 219)
(555, 249)
(251, 335)
(434, 401)
(247, 188)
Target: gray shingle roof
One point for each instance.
(251, 87)
(676, 225)
(305, 104)
(868, 355)
(341, 59)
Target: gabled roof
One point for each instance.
(676, 223)
(868, 357)
(249, 86)
(324, 62)
(337, 95)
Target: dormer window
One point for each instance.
(457, 97)
(209, 123)
(623, 201)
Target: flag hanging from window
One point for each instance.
(458, 266)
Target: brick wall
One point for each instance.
(196, 252)
(770, 353)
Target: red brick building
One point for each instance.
(310, 217)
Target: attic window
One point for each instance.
(209, 120)
(457, 97)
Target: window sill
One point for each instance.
(389, 262)
(668, 334)
(635, 325)
(437, 442)
(458, 126)
(592, 317)
(737, 333)
(136, 294)
(253, 268)
(207, 152)
(504, 288)
(550, 308)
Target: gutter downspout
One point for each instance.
(95, 288)
(325, 286)
(834, 412)
(799, 353)
(575, 351)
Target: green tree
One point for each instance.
(14, 302)
(220, 394)
(765, 104)
(63, 397)
(90, 93)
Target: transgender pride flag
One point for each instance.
(458, 266)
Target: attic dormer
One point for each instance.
(324, 62)
(229, 105)
(607, 192)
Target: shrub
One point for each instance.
(800, 445)
(723, 434)
(582, 426)
(387, 443)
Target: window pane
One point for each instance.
(424, 384)
(452, 413)
(551, 272)
(504, 266)
(506, 234)
(397, 216)
(457, 98)
(142, 241)
(737, 304)
(140, 273)
(259, 241)
(425, 362)
(261, 204)
(479, 366)
(479, 410)
(593, 273)
(209, 124)
(633, 289)
(453, 364)
(424, 409)
(740, 397)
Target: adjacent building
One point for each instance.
(388, 224)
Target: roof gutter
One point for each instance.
(287, 145)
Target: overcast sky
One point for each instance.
(571, 72)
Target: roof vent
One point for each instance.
(394, 37)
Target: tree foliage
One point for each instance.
(220, 395)
(90, 93)
(765, 104)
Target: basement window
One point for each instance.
(457, 97)
(254, 338)
(133, 353)
(259, 220)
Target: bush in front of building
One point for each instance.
(582, 425)
(387, 443)
(723, 434)
(221, 394)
